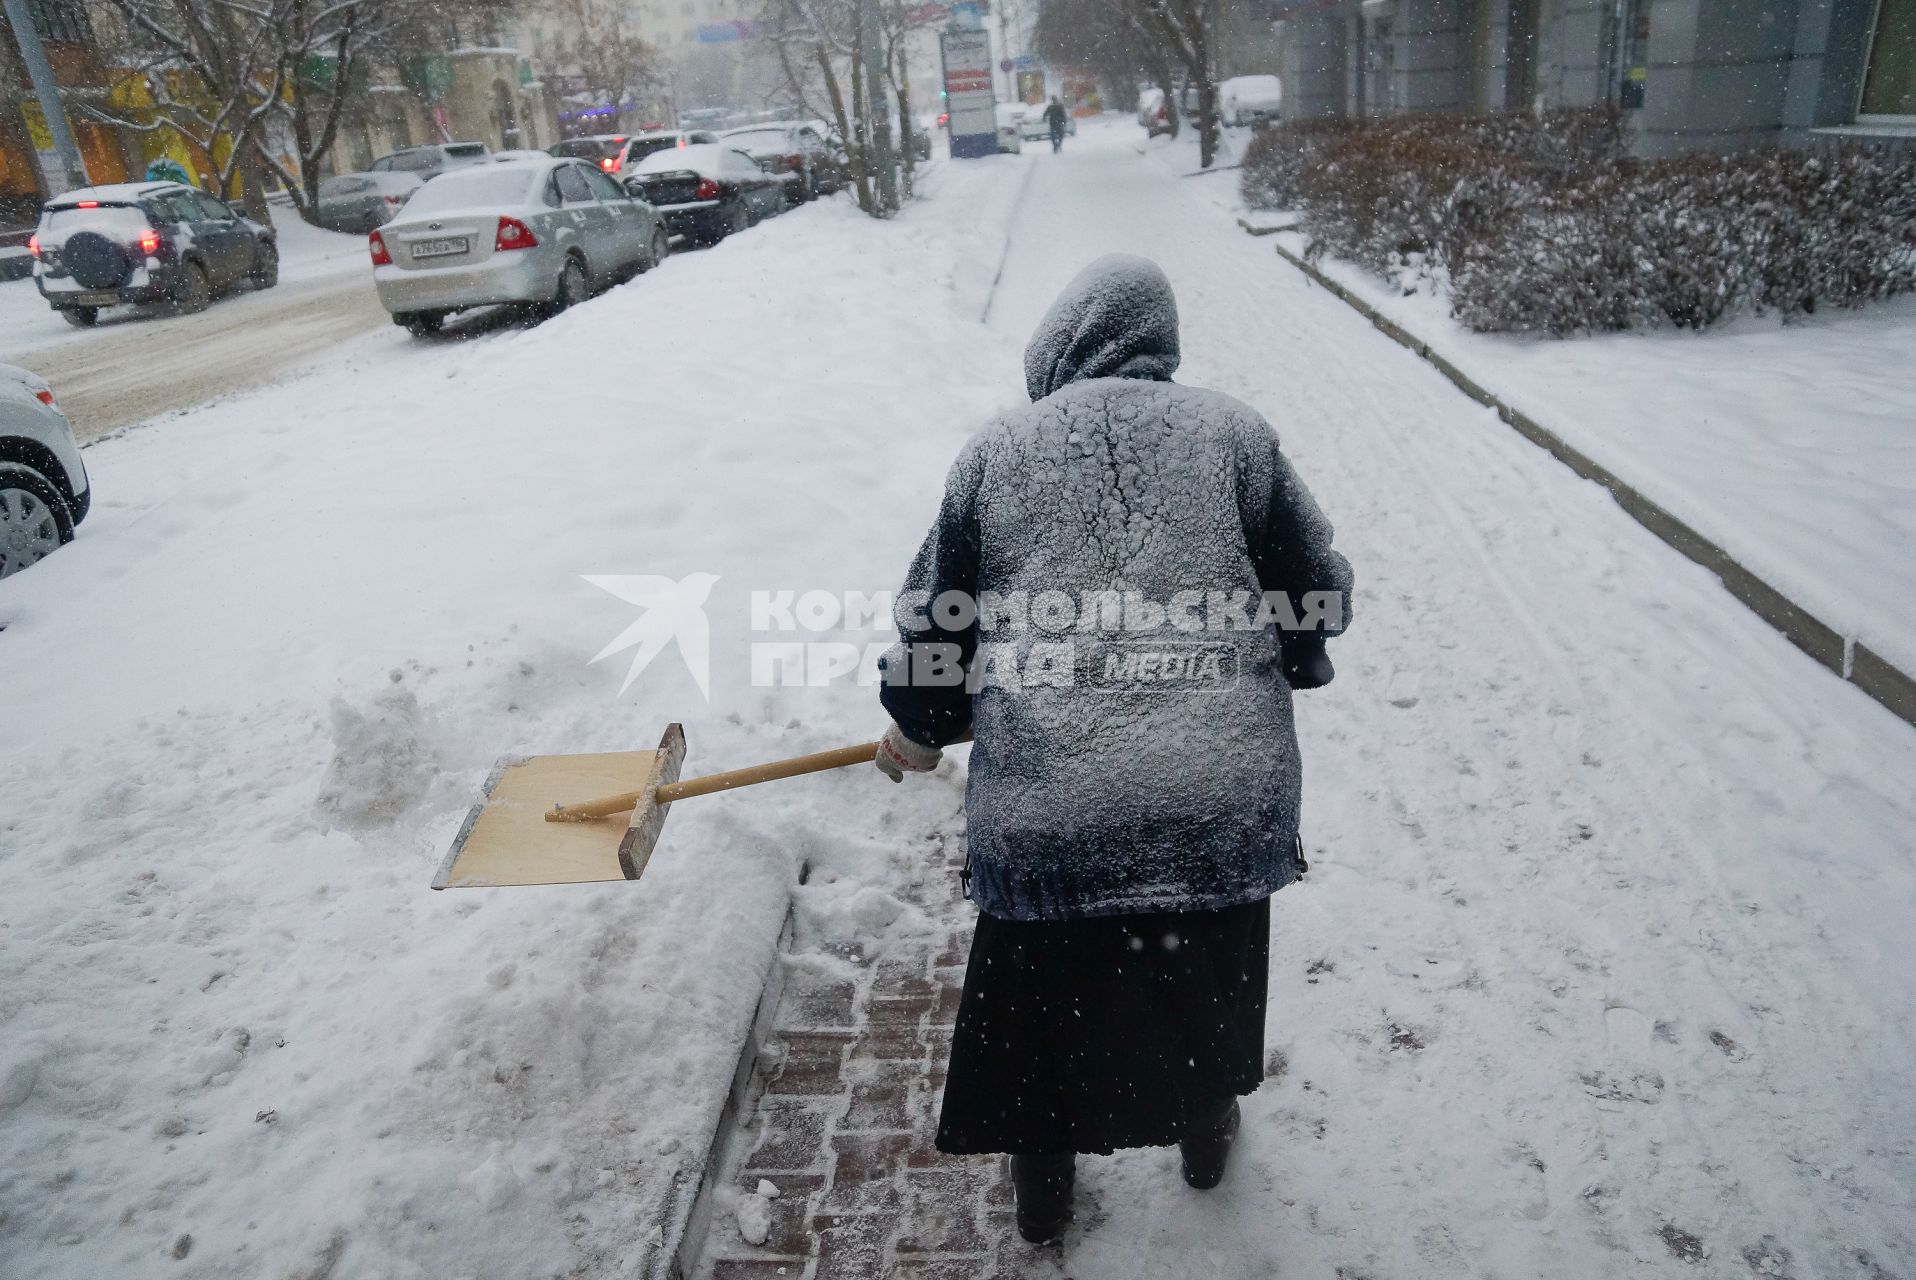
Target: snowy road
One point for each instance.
(1602, 965)
(124, 373)
(141, 362)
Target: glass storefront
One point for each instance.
(1889, 88)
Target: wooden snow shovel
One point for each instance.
(536, 824)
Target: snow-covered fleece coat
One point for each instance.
(1117, 766)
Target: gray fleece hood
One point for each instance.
(1118, 319)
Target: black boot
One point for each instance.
(1043, 1185)
(1207, 1144)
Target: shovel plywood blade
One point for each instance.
(507, 841)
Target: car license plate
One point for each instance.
(440, 248)
(100, 298)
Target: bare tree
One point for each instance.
(227, 74)
(324, 46)
(214, 71)
(898, 23)
(1169, 42)
(816, 43)
(604, 52)
(1183, 29)
(1094, 35)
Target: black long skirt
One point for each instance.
(1092, 1035)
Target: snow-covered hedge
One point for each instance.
(1545, 224)
(1692, 240)
(1272, 173)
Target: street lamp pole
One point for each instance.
(47, 90)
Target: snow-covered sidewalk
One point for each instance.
(1788, 445)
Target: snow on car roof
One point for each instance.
(110, 191)
(480, 186)
(1254, 86)
(698, 156)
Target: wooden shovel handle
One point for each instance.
(817, 762)
(606, 806)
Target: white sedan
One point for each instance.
(1035, 128)
(43, 482)
(547, 232)
(1010, 126)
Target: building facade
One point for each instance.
(476, 85)
(1691, 74)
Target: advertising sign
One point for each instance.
(969, 96)
(968, 16)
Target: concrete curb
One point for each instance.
(684, 1220)
(1842, 655)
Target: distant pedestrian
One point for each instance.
(1055, 115)
(1134, 783)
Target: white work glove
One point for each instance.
(899, 755)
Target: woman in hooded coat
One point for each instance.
(1125, 582)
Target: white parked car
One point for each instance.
(1035, 128)
(1011, 117)
(44, 492)
(1248, 100)
(1153, 112)
(547, 232)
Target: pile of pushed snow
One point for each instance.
(383, 761)
(238, 1034)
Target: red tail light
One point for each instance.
(149, 241)
(610, 164)
(513, 234)
(708, 190)
(86, 204)
(377, 243)
(45, 398)
(33, 244)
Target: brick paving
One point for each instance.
(844, 1121)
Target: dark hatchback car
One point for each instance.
(798, 149)
(145, 242)
(707, 192)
